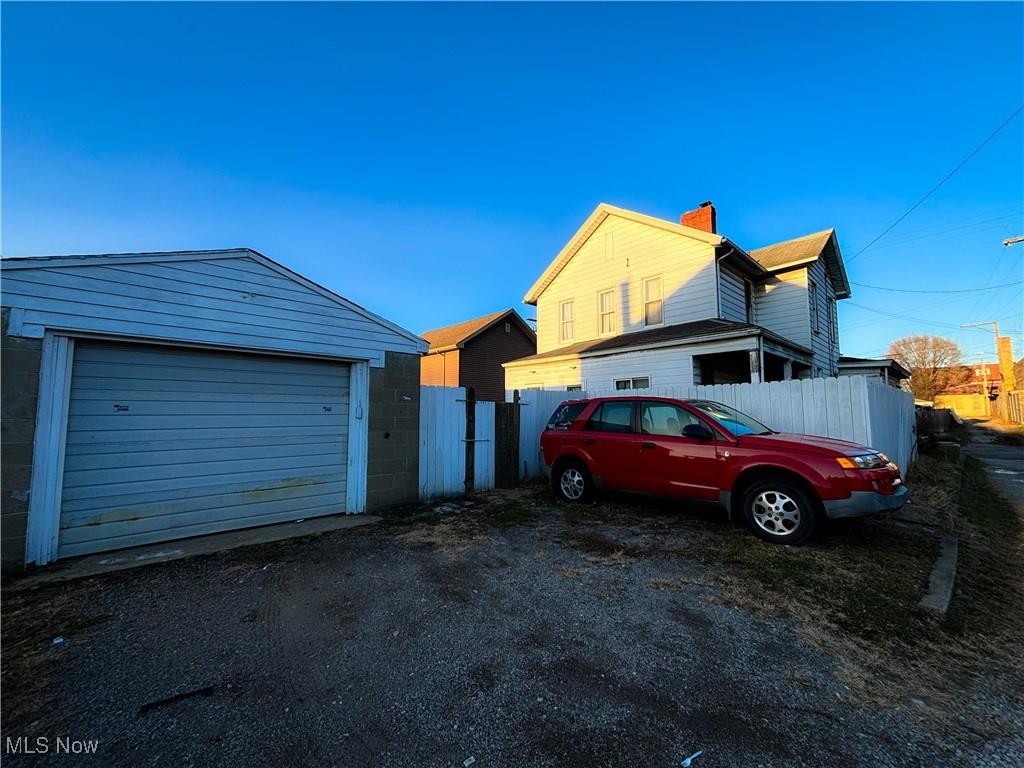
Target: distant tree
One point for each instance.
(935, 364)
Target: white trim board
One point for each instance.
(358, 438)
(48, 451)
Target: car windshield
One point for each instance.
(738, 423)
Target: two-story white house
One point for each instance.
(637, 302)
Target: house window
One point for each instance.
(574, 388)
(508, 327)
(653, 304)
(748, 300)
(833, 321)
(636, 382)
(606, 311)
(815, 321)
(566, 313)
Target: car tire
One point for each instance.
(780, 511)
(572, 482)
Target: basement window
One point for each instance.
(636, 382)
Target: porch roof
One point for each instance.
(668, 335)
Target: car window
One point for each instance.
(736, 422)
(565, 415)
(665, 419)
(612, 417)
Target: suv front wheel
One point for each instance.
(779, 511)
(572, 482)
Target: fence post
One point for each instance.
(515, 435)
(470, 440)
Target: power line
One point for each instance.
(961, 290)
(945, 178)
(907, 317)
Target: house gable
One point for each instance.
(616, 258)
(590, 226)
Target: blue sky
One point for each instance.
(428, 161)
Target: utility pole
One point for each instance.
(995, 329)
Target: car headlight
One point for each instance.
(864, 461)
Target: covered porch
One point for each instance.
(762, 361)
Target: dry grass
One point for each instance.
(933, 483)
(853, 592)
(858, 602)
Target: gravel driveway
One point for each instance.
(512, 634)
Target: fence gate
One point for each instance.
(506, 445)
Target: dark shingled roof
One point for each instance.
(452, 335)
(798, 249)
(682, 332)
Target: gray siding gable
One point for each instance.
(232, 299)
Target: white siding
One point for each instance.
(229, 299)
(733, 295)
(621, 262)
(781, 306)
(665, 366)
(826, 354)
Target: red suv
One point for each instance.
(782, 484)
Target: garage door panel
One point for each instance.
(113, 372)
(209, 454)
(86, 437)
(198, 497)
(197, 472)
(155, 395)
(185, 358)
(149, 446)
(126, 421)
(277, 474)
(154, 537)
(123, 521)
(166, 443)
(90, 387)
(179, 407)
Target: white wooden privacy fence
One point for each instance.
(443, 442)
(848, 407)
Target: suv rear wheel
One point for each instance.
(780, 511)
(572, 482)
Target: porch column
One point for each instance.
(787, 369)
(755, 366)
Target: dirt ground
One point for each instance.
(517, 632)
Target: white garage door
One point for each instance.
(164, 443)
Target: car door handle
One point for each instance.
(589, 441)
(648, 445)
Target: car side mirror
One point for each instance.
(698, 432)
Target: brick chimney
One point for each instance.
(705, 218)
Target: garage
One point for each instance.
(164, 443)
(159, 396)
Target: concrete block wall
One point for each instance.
(19, 363)
(392, 472)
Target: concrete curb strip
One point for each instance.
(943, 575)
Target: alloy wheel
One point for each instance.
(776, 513)
(573, 484)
